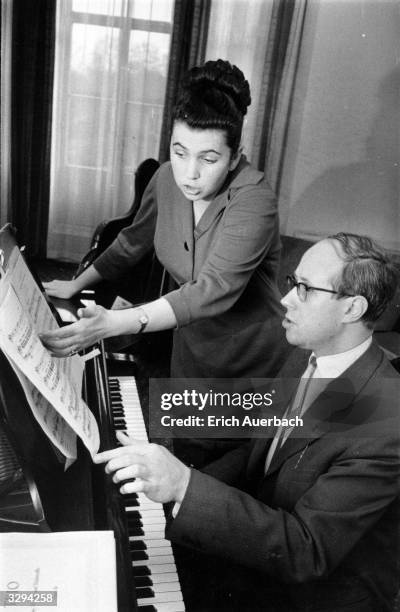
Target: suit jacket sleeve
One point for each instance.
(231, 467)
(306, 542)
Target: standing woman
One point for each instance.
(213, 221)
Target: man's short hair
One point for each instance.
(368, 271)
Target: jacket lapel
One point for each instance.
(243, 175)
(328, 412)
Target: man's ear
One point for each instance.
(357, 306)
(235, 159)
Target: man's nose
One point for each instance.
(289, 300)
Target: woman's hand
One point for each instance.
(61, 289)
(95, 324)
(157, 473)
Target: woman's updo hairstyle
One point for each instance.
(214, 96)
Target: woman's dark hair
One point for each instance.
(214, 96)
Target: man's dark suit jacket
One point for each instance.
(320, 528)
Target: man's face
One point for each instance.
(317, 323)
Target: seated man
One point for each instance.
(303, 523)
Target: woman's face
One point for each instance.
(200, 160)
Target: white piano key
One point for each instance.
(168, 607)
(163, 578)
(155, 543)
(150, 536)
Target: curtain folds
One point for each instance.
(278, 83)
(111, 65)
(188, 48)
(33, 40)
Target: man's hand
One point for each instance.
(157, 473)
(95, 324)
(61, 289)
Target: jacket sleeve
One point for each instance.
(231, 467)
(133, 242)
(299, 545)
(249, 225)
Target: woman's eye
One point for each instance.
(179, 153)
(209, 160)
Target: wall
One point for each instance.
(342, 164)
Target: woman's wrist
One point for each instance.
(127, 321)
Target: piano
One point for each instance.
(36, 494)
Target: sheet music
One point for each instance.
(56, 428)
(38, 562)
(26, 288)
(58, 380)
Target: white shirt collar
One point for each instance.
(332, 366)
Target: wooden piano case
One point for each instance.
(36, 493)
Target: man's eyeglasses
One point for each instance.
(303, 288)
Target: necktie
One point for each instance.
(296, 408)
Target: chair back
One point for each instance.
(107, 230)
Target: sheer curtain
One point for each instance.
(110, 78)
(238, 32)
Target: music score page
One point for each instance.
(52, 386)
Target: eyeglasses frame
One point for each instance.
(292, 283)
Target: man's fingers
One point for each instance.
(121, 461)
(133, 486)
(124, 439)
(138, 445)
(105, 456)
(134, 470)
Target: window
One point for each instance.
(111, 70)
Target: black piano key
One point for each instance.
(134, 524)
(139, 555)
(148, 609)
(143, 581)
(136, 531)
(134, 502)
(141, 570)
(138, 545)
(144, 593)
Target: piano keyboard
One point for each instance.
(156, 579)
